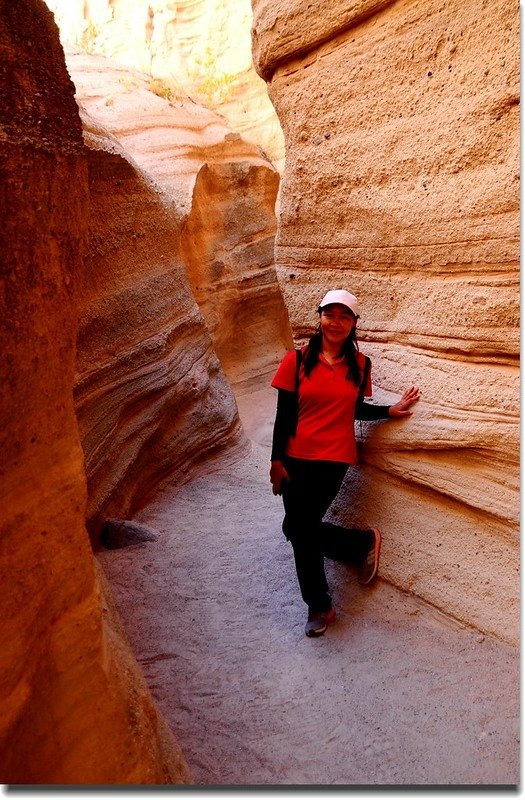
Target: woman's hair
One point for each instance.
(349, 351)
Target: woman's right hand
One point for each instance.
(278, 474)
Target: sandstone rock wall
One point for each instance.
(73, 706)
(150, 395)
(169, 140)
(187, 47)
(215, 192)
(401, 184)
(228, 241)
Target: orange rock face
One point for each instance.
(228, 243)
(401, 184)
(150, 394)
(178, 203)
(74, 708)
(168, 139)
(99, 303)
(187, 47)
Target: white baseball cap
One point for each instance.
(343, 297)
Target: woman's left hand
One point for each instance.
(408, 398)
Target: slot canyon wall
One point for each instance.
(186, 47)
(151, 395)
(110, 375)
(401, 184)
(74, 705)
(230, 262)
(109, 209)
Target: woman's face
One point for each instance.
(337, 322)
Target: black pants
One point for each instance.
(307, 496)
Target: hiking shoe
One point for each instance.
(369, 566)
(318, 622)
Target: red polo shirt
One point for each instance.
(325, 430)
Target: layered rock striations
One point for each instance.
(150, 395)
(228, 241)
(74, 707)
(401, 184)
(169, 140)
(220, 195)
(187, 47)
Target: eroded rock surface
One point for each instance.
(74, 708)
(169, 140)
(228, 242)
(187, 47)
(150, 394)
(220, 194)
(401, 184)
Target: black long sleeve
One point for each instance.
(285, 423)
(367, 412)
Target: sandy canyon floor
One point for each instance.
(395, 693)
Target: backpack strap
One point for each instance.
(298, 362)
(364, 379)
(366, 372)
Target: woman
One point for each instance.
(320, 394)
